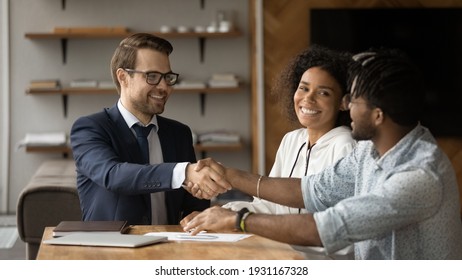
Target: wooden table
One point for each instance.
(252, 248)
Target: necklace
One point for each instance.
(308, 154)
(307, 162)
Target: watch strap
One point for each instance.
(239, 216)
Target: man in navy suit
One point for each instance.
(114, 181)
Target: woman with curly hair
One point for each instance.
(310, 89)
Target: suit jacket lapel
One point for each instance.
(122, 128)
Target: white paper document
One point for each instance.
(201, 237)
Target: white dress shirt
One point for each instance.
(158, 207)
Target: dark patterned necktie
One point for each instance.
(142, 133)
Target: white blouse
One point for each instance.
(294, 159)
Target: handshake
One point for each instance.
(206, 179)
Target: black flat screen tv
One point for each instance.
(432, 37)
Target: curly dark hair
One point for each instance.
(333, 62)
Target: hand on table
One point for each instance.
(188, 218)
(215, 218)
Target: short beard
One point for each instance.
(365, 133)
(148, 110)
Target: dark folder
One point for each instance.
(68, 227)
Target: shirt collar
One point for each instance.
(130, 119)
(404, 146)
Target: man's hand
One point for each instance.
(209, 162)
(215, 218)
(206, 182)
(194, 189)
(188, 218)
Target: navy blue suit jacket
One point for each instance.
(111, 183)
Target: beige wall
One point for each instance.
(41, 59)
(4, 108)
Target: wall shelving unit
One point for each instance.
(65, 150)
(64, 37)
(64, 92)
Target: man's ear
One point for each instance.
(378, 116)
(344, 106)
(121, 77)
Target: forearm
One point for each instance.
(285, 191)
(100, 163)
(296, 229)
(292, 229)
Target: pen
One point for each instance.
(196, 237)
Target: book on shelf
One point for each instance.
(106, 84)
(38, 139)
(83, 83)
(215, 144)
(219, 136)
(223, 80)
(68, 227)
(223, 84)
(190, 84)
(224, 76)
(90, 30)
(45, 84)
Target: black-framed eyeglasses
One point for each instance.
(154, 77)
(347, 101)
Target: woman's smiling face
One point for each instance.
(317, 100)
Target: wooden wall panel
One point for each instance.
(286, 32)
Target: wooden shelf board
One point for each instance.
(70, 91)
(102, 35)
(63, 36)
(197, 147)
(48, 149)
(65, 92)
(218, 147)
(210, 90)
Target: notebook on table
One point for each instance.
(106, 240)
(70, 227)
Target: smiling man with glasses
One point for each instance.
(132, 163)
